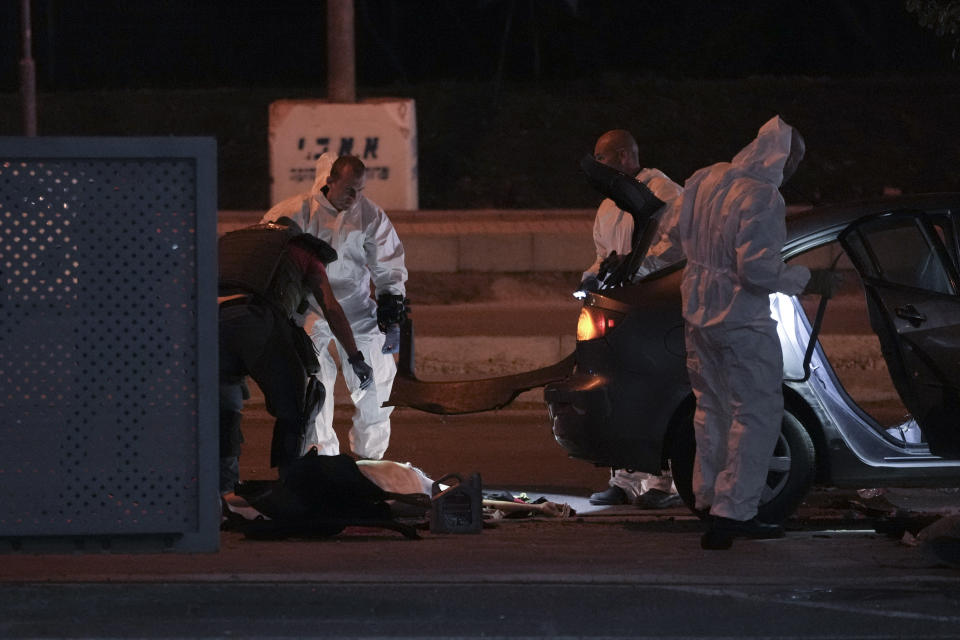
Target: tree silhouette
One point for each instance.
(943, 16)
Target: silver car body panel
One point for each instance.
(861, 434)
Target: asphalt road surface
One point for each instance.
(540, 609)
(604, 572)
(612, 575)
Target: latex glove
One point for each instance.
(361, 369)
(391, 309)
(823, 282)
(590, 284)
(609, 265)
(391, 344)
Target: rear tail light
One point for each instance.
(595, 322)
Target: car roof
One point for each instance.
(810, 227)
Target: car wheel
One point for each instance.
(789, 478)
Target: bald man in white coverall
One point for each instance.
(336, 211)
(731, 227)
(613, 231)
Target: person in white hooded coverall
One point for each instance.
(731, 228)
(613, 231)
(336, 211)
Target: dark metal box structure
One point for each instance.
(108, 345)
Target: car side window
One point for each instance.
(848, 342)
(905, 257)
(945, 226)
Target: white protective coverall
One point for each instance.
(732, 229)
(367, 248)
(612, 231)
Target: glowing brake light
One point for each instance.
(595, 322)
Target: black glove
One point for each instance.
(361, 369)
(590, 284)
(823, 282)
(391, 309)
(609, 265)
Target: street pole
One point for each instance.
(28, 76)
(341, 62)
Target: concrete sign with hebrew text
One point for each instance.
(382, 132)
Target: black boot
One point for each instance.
(613, 495)
(751, 528)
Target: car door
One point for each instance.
(906, 260)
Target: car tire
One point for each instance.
(792, 470)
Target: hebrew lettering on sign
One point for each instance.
(382, 133)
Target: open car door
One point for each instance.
(907, 261)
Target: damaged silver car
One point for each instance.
(871, 373)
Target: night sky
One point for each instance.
(183, 44)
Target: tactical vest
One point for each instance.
(254, 260)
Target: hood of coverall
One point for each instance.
(717, 245)
(322, 171)
(765, 157)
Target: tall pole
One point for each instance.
(341, 61)
(28, 76)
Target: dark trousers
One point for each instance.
(256, 341)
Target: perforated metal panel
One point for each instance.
(108, 344)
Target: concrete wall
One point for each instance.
(495, 240)
(482, 240)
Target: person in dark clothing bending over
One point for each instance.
(267, 271)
